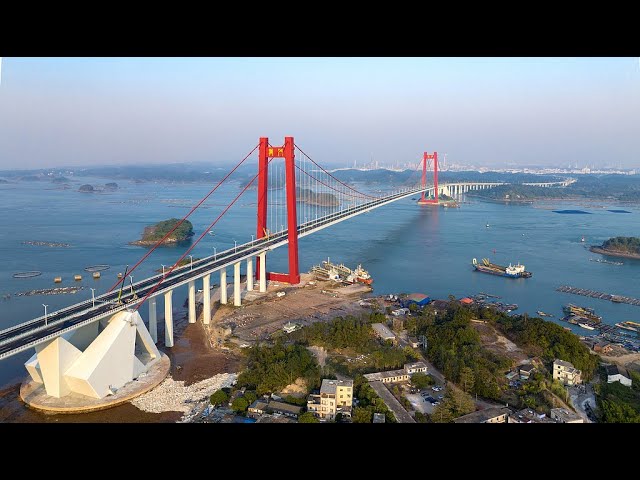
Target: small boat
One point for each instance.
(96, 274)
(633, 326)
(119, 274)
(211, 233)
(542, 314)
(77, 278)
(586, 325)
(487, 225)
(57, 280)
(582, 239)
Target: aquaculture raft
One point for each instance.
(97, 268)
(26, 274)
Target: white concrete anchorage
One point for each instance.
(96, 359)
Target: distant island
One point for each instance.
(108, 187)
(628, 247)
(154, 233)
(310, 197)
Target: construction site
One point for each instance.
(282, 309)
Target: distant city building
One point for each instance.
(562, 415)
(383, 331)
(488, 415)
(566, 373)
(616, 373)
(336, 396)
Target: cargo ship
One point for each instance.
(512, 271)
(633, 326)
(583, 312)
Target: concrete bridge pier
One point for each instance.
(206, 299)
(236, 284)
(250, 274)
(263, 272)
(153, 319)
(192, 301)
(168, 319)
(223, 286)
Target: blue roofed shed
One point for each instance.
(418, 298)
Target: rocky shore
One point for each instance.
(612, 253)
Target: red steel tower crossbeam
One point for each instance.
(286, 152)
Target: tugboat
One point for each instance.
(512, 271)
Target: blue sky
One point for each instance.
(489, 111)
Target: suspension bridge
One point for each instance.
(296, 197)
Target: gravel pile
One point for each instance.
(172, 396)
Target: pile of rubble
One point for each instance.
(174, 396)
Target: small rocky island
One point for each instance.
(108, 187)
(154, 233)
(305, 195)
(628, 247)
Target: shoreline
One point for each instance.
(613, 253)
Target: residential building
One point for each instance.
(488, 415)
(566, 373)
(399, 312)
(562, 415)
(414, 342)
(383, 332)
(257, 408)
(525, 371)
(616, 373)
(336, 396)
(603, 347)
(284, 409)
(393, 376)
(415, 367)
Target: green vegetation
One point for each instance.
(422, 380)
(455, 348)
(618, 403)
(549, 341)
(455, 404)
(628, 245)
(369, 403)
(240, 405)
(219, 398)
(308, 417)
(160, 229)
(357, 335)
(273, 368)
(311, 197)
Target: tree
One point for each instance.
(467, 379)
(250, 396)
(240, 404)
(362, 415)
(339, 417)
(455, 404)
(219, 398)
(421, 380)
(308, 417)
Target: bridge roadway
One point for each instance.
(24, 336)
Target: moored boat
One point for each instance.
(512, 271)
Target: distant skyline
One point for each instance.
(494, 112)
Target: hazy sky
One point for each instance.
(491, 111)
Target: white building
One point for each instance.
(616, 373)
(562, 415)
(383, 331)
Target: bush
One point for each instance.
(240, 405)
(219, 398)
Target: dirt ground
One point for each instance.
(630, 360)
(263, 314)
(498, 343)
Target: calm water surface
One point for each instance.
(406, 248)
